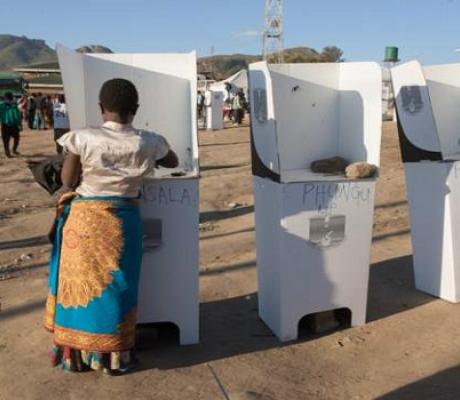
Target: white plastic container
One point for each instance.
(170, 202)
(427, 104)
(313, 231)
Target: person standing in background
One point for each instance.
(22, 104)
(39, 122)
(228, 101)
(48, 112)
(31, 108)
(239, 104)
(200, 104)
(11, 123)
(61, 120)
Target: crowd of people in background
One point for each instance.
(235, 104)
(37, 112)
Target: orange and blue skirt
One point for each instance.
(93, 282)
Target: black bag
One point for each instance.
(47, 173)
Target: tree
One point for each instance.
(331, 54)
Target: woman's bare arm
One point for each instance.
(71, 171)
(169, 161)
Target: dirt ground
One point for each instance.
(409, 349)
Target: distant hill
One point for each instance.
(223, 66)
(94, 48)
(18, 51)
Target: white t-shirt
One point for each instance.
(115, 158)
(60, 117)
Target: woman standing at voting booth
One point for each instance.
(97, 252)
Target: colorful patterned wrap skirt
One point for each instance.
(93, 282)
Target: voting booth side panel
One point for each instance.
(443, 82)
(163, 95)
(326, 239)
(453, 183)
(170, 270)
(264, 142)
(418, 133)
(431, 228)
(268, 247)
(306, 104)
(360, 112)
(164, 101)
(71, 65)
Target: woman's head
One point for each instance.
(119, 100)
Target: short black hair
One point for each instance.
(9, 96)
(119, 96)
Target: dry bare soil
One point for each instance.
(410, 348)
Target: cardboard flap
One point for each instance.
(167, 94)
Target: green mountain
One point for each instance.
(15, 51)
(18, 51)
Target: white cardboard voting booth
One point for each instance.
(214, 103)
(427, 104)
(313, 231)
(167, 95)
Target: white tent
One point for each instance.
(239, 80)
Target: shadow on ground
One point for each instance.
(223, 144)
(21, 243)
(207, 216)
(230, 327)
(444, 385)
(392, 289)
(225, 234)
(220, 167)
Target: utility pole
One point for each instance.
(273, 35)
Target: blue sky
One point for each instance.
(428, 30)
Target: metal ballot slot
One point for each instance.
(327, 231)
(152, 233)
